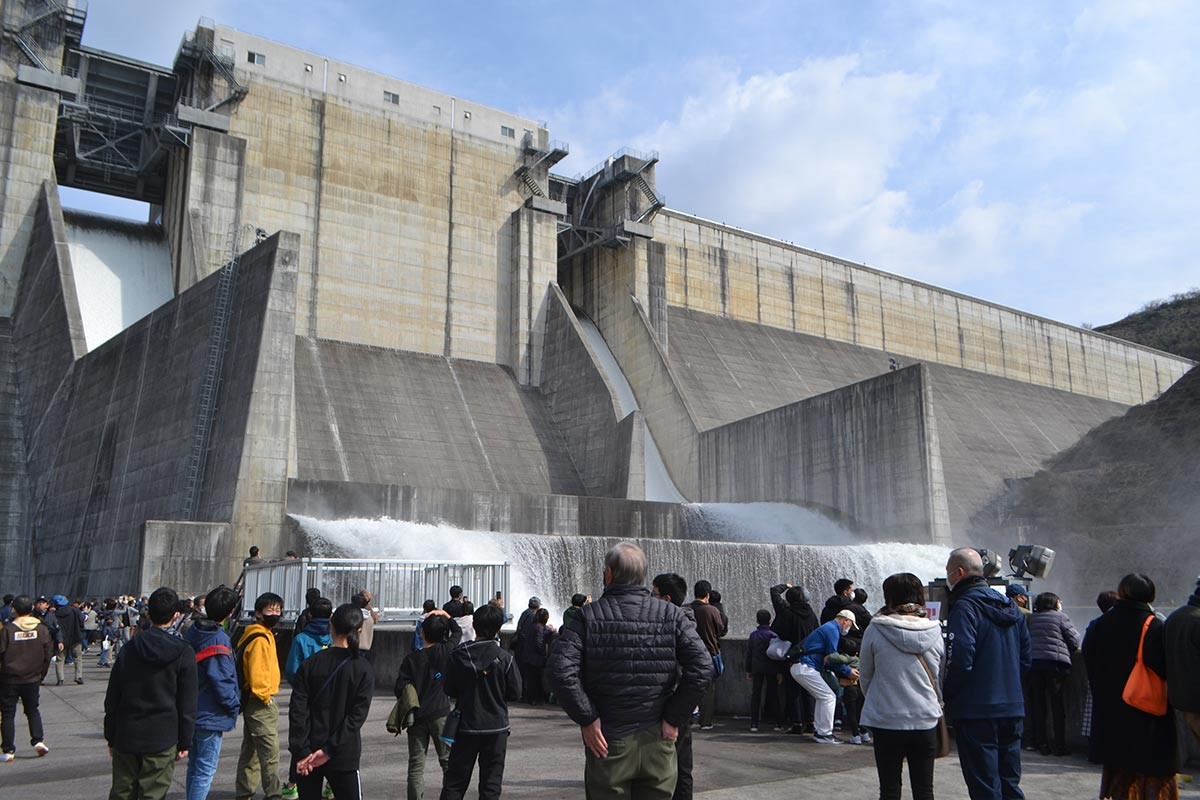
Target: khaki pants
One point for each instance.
(420, 734)
(639, 767)
(258, 761)
(141, 777)
(75, 651)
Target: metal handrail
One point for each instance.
(624, 151)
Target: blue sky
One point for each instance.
(1040, 155)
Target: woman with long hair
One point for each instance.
(1053, 639)
(1137, 749)
(899, 662)
(330, 700)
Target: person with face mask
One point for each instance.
(258, 663)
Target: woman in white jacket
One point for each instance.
(900, 660)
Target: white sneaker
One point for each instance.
(825, 739)
(41, 748)
(856, 739)
(866, 738)
(7, 757)
(754, 729)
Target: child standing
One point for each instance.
(482, 677)
(763, 671)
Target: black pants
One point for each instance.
(531, 682)
(345, 784)
(683, 757)
(759, 684)
(467, 747)
(891, 750)
(1046, 691)
(28, 694)
(852, 700)
(989, 752)
(798, 705)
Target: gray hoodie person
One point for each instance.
(899, 695)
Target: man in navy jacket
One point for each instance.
(219, 698)
(987, 651)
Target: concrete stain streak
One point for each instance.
(448, 335)
(314, 268)
(487, 462)
(327, 405)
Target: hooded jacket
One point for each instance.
(824, 642)
(987, 652)
(260, 662)
(313, 639)
(25, 650)
(70, 622)
(1182, 637)
(833, 605)
(631, 661)
(425, 670)
(1052, 638)
(793, 621)
(899, 693)
(757, 662)
(482, 677)
(331, 698)
(218, 699)
(150, 705)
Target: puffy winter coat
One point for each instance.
(1052, 637)
(987, 652)
(218, 699)
(619, 663)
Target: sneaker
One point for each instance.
(41, 748)
(707, 727)
(856, 739)
(779, 728)
(819, 739)
(866, 738)
(291, 792)
(58, 683)
(754, 729)
(6, 757)
(327, 793)
(79, 680)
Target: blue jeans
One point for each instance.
(989, 752)
(202, 762)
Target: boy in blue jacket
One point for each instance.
(313, 639)
(821, 643)
(217, 702)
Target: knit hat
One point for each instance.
(59, 600)
(1016, 590)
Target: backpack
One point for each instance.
(239, 665)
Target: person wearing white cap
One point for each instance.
(808, 670)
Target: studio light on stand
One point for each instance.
(1030, 561)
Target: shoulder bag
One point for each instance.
(943, 732)
(1144, 690)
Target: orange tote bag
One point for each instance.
(1144, 690)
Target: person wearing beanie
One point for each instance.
(1182, 639)
(70, 626)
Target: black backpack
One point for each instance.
(239, 666)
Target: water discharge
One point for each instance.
(555, 567)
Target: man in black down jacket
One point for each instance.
(1182, 635)
(150, 707)
(629, 671)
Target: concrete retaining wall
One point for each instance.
(862, 449)
(190, 557)
(113, 449)
(488, 511)
(372, 415)
(585, 408)
(717, 269)
(15, 562)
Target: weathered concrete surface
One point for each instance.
(371, 415)
(114, 446)
(988, 429)
(718, 269)
(585, 408)
(28, 118)
(567, 515)
(544, 760)
(190, 557)
(14, 478)
(863, 449)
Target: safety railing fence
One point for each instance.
(399, 588)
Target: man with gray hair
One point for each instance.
(987, 651)
(646, 671)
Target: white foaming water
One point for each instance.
(555, 567)
(768, 523)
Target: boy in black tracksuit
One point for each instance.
(482, 677)
(425, 669)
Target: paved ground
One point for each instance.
(545, 760)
